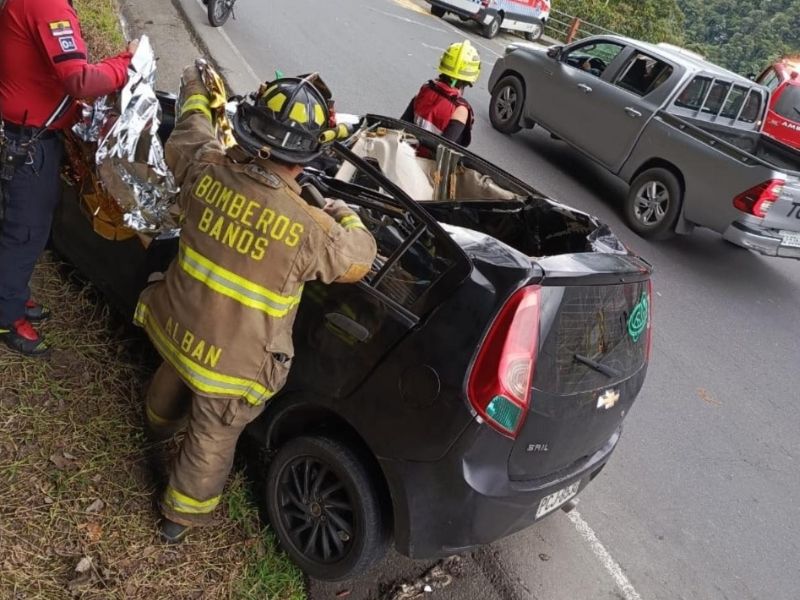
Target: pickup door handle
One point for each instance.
(348, 325)
(586, 89)
(632, 112)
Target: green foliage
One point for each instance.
(743, 36)
(652, 20)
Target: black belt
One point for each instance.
(28, 132)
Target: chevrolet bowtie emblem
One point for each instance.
(608, 399)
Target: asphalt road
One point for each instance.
(702, 499)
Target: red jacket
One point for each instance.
(43, 58)
(434, 106)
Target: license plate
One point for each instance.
(790, 238)
(553, 501)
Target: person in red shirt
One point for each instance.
(44, 68)
(440, 106)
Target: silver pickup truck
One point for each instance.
(684, 133)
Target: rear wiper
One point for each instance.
(604, 369)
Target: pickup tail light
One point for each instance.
(499, 385)
(759, 199)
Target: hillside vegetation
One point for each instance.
(742, 36)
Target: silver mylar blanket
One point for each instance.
(130, 156)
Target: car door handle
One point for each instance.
(632, 112)
(348, 325)
(586, 89)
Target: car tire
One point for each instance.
(508, 100)
(347, 521)
(218, 12)
(492, 28)
(654, 203)
(438, 11)
(536, 34)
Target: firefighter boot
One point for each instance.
(23, 338)
(35, 312)
(172, 532)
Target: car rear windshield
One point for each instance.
(594, 324)
(788, 105)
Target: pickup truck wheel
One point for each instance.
(438, 11)
(325, 508)
(653, 204)
(492, 28)
(508, 99)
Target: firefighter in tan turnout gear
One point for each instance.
(222, 317)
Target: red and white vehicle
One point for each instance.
(783, 115)
(526, 16)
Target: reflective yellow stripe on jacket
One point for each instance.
(197, 102)
(352, 222)
(196, 375)
(182, 503)
(228, 283)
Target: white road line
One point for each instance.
(236, 51)
(406, 19)
(612, 566)
(475, 41)
(434, 47)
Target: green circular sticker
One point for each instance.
(637, 322)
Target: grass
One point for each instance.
(100, 27)
(70, 436)
(77, 488)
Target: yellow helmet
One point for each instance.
(461, 61)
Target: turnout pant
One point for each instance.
(30, 199)
(213, 426)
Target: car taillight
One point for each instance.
(485, 3)
(500, 382)
(759, 199)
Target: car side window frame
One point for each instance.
(610, 66)
(628, 64)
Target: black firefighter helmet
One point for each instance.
(287, 118)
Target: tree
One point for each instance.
(651, 20)
(743, 36)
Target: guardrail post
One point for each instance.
(573, 29)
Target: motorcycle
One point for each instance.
(219, 11)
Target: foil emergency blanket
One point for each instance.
(130, 156)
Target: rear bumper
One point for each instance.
(762, 241)
(466, 499)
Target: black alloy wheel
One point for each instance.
(219, 11)
(324, 507)
(508, 100)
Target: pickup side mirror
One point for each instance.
(554, 52)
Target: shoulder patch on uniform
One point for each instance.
(60, 28)
(263, 176)
(68, 43)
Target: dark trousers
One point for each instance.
(31, 197)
